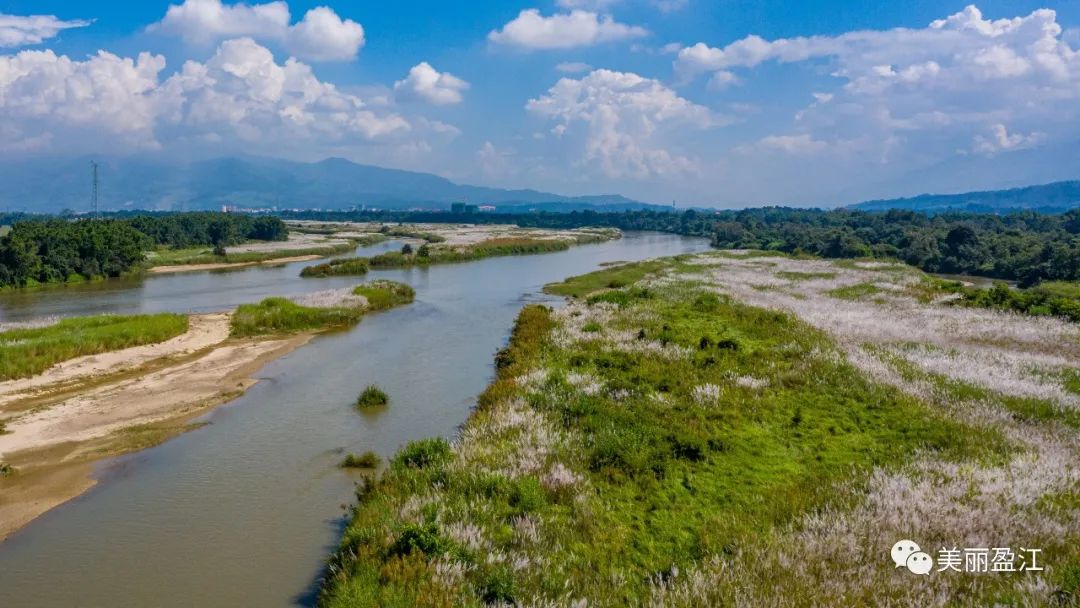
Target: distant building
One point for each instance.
(472, 208)
(487, 208)
(457, 207)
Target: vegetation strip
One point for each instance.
(26, 352)
(283, 316)
(649, 426)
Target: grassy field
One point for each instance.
(205, 255)
(283, 316)
(658, 443)
(26, 352)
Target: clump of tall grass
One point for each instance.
(6, 470)
(383, 294)
(26, 352)
(337, 268)
(367, 460)
(282, 316)
(372, 396)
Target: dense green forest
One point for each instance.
(49, 250)
(1027, 247)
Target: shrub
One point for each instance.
(367, 460)
(406, 249)
(424, 538)
(497, 587)
(424, 453)
(6, 469)
(372, 396)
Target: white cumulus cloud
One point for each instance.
(924, 91)
(239, 96)
(428, 84)
(627, 123)
(531, 30)
(320, 36)
(16, 30)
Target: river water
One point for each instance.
(243, 511)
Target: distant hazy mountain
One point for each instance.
(156, 183)
(1049, 198)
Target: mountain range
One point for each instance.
(1055, 197)
(160, 183)
(49, 185)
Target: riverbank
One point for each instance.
(63, 421)
(687, 427)
(59, 424)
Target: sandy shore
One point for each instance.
(223, 265)
(86, 409)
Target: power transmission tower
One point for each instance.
(94, 188)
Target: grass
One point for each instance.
(337, 268)
(642, 430)
(612, 277)
(383, 294)
(6, 470)
(281, 316)
(27, 352)
(429, 237)
(465, 253)
(372, 396)
(367, 460)
(857, 291)
(791, 275)
(205, 255)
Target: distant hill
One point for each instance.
(1057, 197)
(334, 183)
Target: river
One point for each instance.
(244, 510)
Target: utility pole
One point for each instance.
(94, 188)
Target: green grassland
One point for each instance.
(26, 352)
(283, 316)
(558, 492)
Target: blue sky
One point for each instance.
(717, 103)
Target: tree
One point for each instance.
(406, 249)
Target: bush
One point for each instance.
(6, 469)
(372, 396)
(406, 249)
(424, 453)
(425, 538)
(367, 460)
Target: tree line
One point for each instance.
(42, 249)
(1026, 247)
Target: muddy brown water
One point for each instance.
(244, 511)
